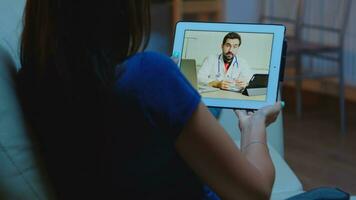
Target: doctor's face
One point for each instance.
(230, 48)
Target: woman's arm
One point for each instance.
(213, 155)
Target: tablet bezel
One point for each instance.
(278, 32)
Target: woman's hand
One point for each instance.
(264, 116)
(271, 112)
(175, 59)
(254, 140)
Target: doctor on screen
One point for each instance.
(226, 71)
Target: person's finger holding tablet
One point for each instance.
(268, 113)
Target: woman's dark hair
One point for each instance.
(70, 50)
(232, 35)
(74, 38)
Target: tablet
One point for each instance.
(257, 85)
(225, 61)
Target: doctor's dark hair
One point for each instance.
(79, 38)
(232, 35)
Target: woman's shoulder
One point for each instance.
(149, 64)
(149, 59)
(147, 67)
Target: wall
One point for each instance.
(160, 39)
(198, 45)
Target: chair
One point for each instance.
(281, 11)
(316, 42)
(201, 10)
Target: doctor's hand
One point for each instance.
(226, 85)
(241, 84)
(220, 84)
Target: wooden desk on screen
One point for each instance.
(232, 95)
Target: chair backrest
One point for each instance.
(309, 19)
(284, 12)
(324, 21)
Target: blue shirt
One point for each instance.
(161, 101)
(104, 143)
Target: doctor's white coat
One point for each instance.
(213, 69)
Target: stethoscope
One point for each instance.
(219, 60)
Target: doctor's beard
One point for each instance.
(226, 57)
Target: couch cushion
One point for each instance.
(286, 182)
(11, 26)
(19, 177)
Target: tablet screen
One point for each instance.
(231, 65)
(225, 65)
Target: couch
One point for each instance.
(19, 174)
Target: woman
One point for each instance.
(114, 122)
